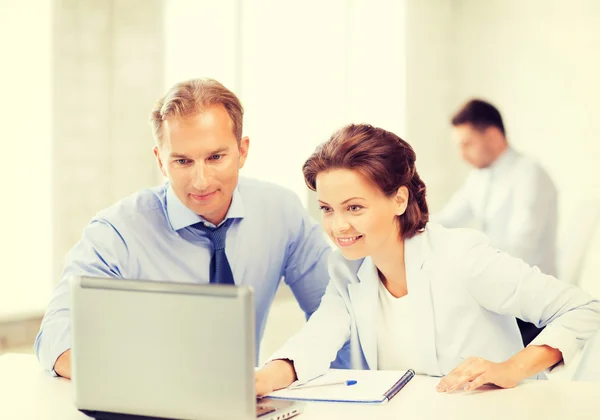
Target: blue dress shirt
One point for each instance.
(149, 236)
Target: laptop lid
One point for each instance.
(163, 349)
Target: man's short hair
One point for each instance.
(480, 114)
(190, 98)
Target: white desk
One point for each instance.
(27, 392)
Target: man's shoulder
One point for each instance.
(529, 170)
(263, 192)
(140, 204)
(436, 232)
(450, 243)
(527, 163)
(340, 266)
(261, 187)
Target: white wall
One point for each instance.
(108, 72)
(25, 213)
(78, 81)
(201, 40)
(293, 83)
(429, 90)
(305, 77)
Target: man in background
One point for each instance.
(508, 196)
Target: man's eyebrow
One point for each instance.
(178, 156)
(219, 150)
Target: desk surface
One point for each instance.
(28, 392)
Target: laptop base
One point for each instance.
(106, 415)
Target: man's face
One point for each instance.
(474, 145)
(201, 158)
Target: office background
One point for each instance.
(78, 79)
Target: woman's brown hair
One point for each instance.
(383, 158)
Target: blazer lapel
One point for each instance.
(418, 279)
(364, 298)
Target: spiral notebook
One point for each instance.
(372, 387)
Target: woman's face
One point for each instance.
(358, 217)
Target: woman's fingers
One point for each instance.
(477, 382)
(464, 373)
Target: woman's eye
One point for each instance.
(325, 209)
(354, 208)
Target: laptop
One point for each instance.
(148, 349)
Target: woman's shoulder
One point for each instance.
(457, 250)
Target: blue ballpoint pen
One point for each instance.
(348, 382)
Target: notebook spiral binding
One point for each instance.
(390, 393)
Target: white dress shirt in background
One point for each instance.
(514, 202)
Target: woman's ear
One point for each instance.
(401, 200)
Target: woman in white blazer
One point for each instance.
(412, 294)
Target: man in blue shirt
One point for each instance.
(167, 232)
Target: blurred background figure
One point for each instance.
(508, 196)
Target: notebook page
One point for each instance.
(371, 386)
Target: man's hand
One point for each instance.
(274, 375)
(62, 367)
(475, 371)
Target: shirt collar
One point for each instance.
(181, 217)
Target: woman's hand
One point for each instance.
(274, 375)
(475, 371)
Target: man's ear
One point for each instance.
(493, 133)
(159, 160)
(401, 200)
(243, 147)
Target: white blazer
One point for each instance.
(465, 296)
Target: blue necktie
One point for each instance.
(220, 271)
